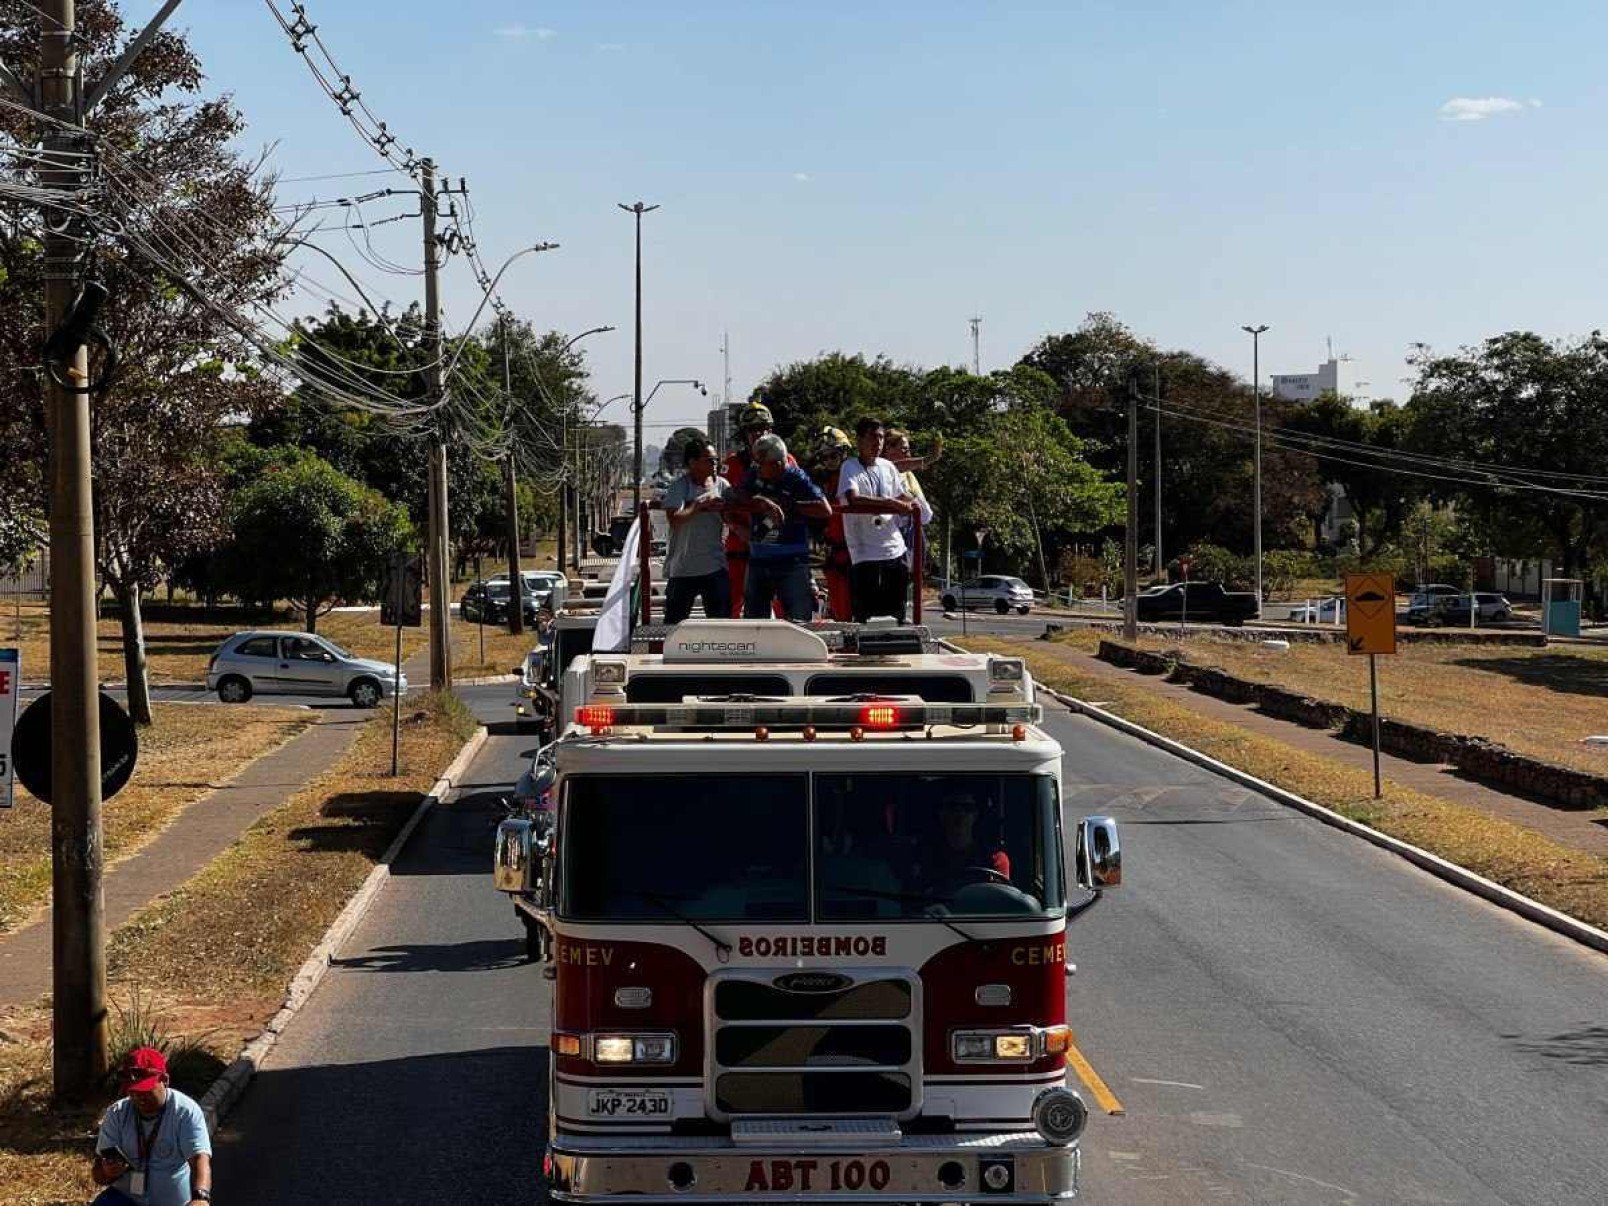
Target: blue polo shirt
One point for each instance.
(769, 541)
(181, 1134)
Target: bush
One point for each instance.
(1213, 563)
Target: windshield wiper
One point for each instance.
(722, 949)
(933, 911)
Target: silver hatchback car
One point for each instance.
(991, 592)
(297, 663)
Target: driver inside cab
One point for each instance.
(961, 855)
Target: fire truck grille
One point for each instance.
(847, 1048)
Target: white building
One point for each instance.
(1333, 377)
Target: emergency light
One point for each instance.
(817, 715)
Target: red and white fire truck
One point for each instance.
(808, 903)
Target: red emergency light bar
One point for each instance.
(820, 716)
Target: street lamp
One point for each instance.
(636, 483)
(1256, 499)
(565, 488)
(696, 384)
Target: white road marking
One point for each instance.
(1176, 1084)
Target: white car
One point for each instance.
(539, 582)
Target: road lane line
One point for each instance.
(1091, 1080)
(1172, 1084)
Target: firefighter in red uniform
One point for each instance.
(831, 447)
(753, 421)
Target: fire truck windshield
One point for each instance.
(713, 848)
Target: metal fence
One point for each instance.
(33, 582)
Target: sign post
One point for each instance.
(1371, 630)
(10, 682)
(402, 605)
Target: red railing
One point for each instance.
(918, 554)
(645, 552)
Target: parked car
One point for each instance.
(1204, 601)
(550, 582)
(297, 663)
(992, 592)
(490, 601)
(1425, 595)
(1453, 610)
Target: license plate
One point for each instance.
(628, 1103)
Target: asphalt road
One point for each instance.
(1287, 1014)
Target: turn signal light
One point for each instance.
(567, 1044)
(879, 716)
(595, 716)
(1056, 1039)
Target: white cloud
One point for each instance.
(521, 32)
(801, 177)
(1478, 108)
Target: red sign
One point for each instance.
(10, 671)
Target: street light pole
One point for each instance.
(1256, 495)
(636, 481)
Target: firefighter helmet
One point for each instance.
(833, 439)
(755, 414)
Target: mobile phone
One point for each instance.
(114, 1153)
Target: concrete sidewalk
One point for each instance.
(197, 836)
(1582, 829)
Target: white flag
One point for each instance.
(613, 633)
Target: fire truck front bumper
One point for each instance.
(1015, 1167)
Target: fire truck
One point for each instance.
(807, 896)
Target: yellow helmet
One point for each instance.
(833, 439)
(755, 414)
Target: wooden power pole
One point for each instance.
(1130, 558)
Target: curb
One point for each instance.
(1495, 893)
(227, 1089)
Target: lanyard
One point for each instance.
(145, 1143)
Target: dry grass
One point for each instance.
(212, 960)
(183, 756)
(1567, 879)
(503, 652)
(1539, 702)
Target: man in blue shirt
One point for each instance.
(153, 1147)
(781, 497)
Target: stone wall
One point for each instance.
(1484, 761)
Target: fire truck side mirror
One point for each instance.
(1099, 853)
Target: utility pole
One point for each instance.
(725, 357)
(436, 558)
(1256, 496)
(636, 405)
(1130, 557)
(516, 584)
(78, 914)
(977, 358)
(1156, 399)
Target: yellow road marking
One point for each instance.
(1091, 1079)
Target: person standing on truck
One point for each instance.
(898, 450)
(873, 498)
(781, 499)
(695, 563)
(753, 421)
(833, 447)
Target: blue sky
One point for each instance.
(867, 176)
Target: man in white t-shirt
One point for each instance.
(695, 562)
(873, 498)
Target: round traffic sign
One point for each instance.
(31, 747)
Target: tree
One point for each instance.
(1529, 417)
(182, 216)
(304, 531)
(1380, 495)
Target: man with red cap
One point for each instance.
(153, 1147)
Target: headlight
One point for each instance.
(1013, 1046)
(995, 1046)
(634, 1049)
